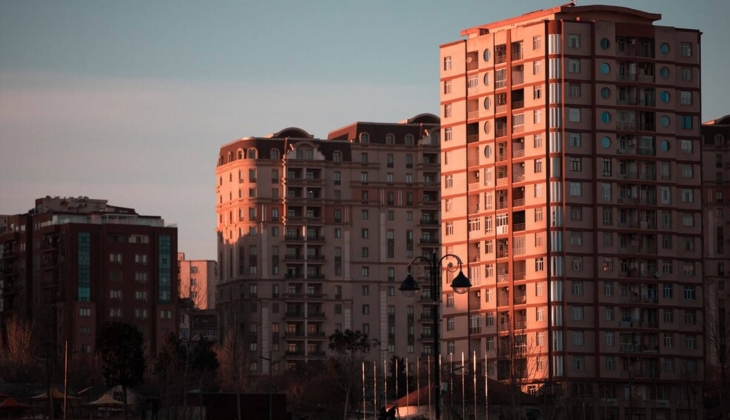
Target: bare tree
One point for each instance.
(718, 363)
(19, 356)
(516, 368)
(231, 350)
(350, 348)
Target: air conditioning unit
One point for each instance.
(477, 244)
(476, 174)
(478, 294)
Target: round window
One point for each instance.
(487, 102)
(606, 117)
(664, 72)
(606, 142)
(487, 151)
(605, 43)
(605, 93)
(664, 121)
(605, 69)
(486, 79)
(487, 128)
(664, 96)
(664, 48)
(486, 54)
(665, 146)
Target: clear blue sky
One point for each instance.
(131, 100)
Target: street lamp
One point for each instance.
(409, 287)
(271, 383)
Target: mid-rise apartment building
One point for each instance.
(197, 280)
(71, 264)
(571, 183)
(314, 236)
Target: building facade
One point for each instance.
(197, 280)
(315, 235)
(71, 264)
(716, 221)
(571, 182)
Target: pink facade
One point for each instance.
(571, 183)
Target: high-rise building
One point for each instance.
(716, 235)
(571, 183)
(71, 264)
(315, 235)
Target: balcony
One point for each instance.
(626, 125)
(500, 58)
(503, 278)
(429, 222)
(630, 77)
(520, 299)
(518, 177)
(518, 227)
(518, 202)
(518, 153)
(472, 138)
(504, 326)
(520, 325)
(519, 275)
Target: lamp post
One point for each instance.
(410, 286)
(271, 384)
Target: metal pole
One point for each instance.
(65, 378)
(271, 388)
(436, 291)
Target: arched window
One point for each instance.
(337, 156)
(719, 140)
(220, 160)
(390, 138)
(364, 138)
(240, 154)
(409, 139)
(252, 153)
(274, 154)
(230, 157)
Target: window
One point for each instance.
(690, 317)
(573, 41)
(609, 314)
(576, 164)
(686, 122)
(667, 291)
(575, 140)
(686, 146)
(539, 264)
(690, 342)
(608, 288)
(447, 63)
(576, 189)
(685, 97)
(365, 271)
(537, 92)
(686, 49)
(537, 116)
(574, 90)
(668, 316)
(540, 314)
(447, 87)
(574, 114)
(573, 65)
(537, 141)
(578, 338)
(686, 74)
(538, 214)
(447, 110)
(577, 288)
(449, 181)
(536, 67)
(536, 42)
(84, 312)
(609, 339)
(577, 313)
(448, 134)
(578, 362)
(689, 293)
(365, 233)
(538, 166)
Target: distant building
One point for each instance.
(315, 236)
(197, 280)
(71, 264)
(571, 181)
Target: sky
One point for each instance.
(131, 100)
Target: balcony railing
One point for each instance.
(518, 202)
(502, 278)
(518, 153)
(519, 275)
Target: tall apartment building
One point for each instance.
(71, 264)
(716, 235)
(315, 235)
(571, 183)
